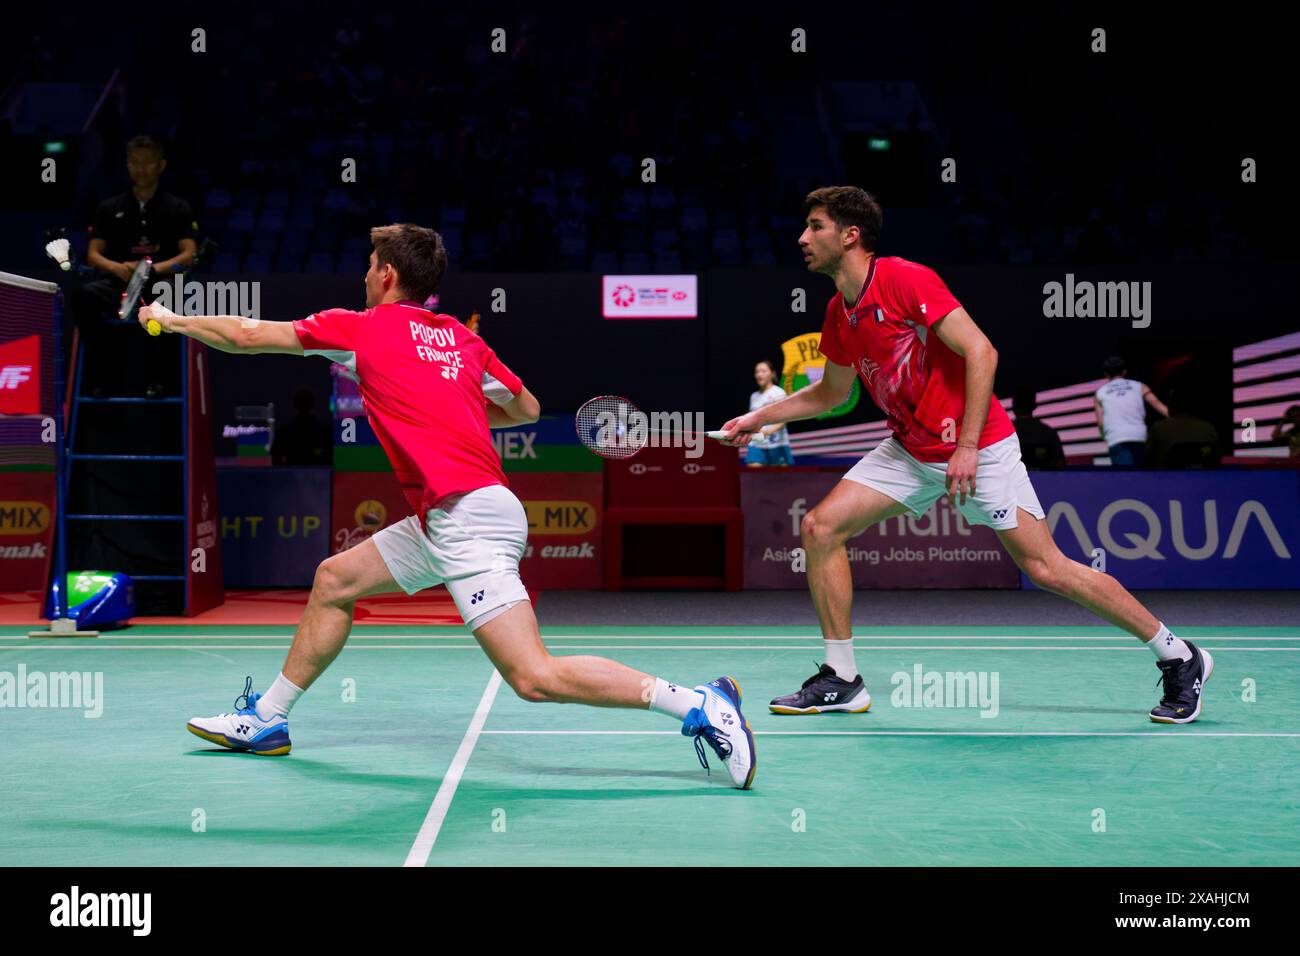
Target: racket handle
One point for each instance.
(153, 327)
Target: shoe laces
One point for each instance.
(822, 671)
(1172, 679)
(248, 704)
(717, 739)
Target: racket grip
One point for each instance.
(153, 327)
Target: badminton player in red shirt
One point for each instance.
(432, 389)
(930, 369)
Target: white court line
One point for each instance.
(90, 645)
(903, 733)
(424, 840)
(466, 636)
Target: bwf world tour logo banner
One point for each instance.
(650, 297)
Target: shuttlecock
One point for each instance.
(58, 251)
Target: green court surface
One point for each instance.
(436, 762)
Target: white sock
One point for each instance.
(279, 699)
(674, 700)
(1168, 647)
(839, 654)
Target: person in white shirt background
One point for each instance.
(1122, 415)
(771, 446)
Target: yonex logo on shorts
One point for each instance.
(1000, 514)
(478, 596)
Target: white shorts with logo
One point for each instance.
(1001, 482)
(472, 543)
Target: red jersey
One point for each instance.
(915, 378)
(426, 380)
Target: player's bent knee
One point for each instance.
(1045, 575)
(817, 532)
(330, 584)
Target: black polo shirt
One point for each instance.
(133, 230)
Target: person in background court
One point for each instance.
(306, 440)
(1182, 428)
(771, 446)
(1040, 446)
(1122, 415)
(1287, 431)
(143, 221)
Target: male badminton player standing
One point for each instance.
(432, 389)
(930, 369)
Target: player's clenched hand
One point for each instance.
(961, 473)
(159, 313)
(739, 431)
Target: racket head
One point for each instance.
(135, 289)
(603, 427)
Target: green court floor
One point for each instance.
(411, 751)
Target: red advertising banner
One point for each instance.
(205, 589)
(665, 477)
(364, 502)
(938, 550)
(565, 511)
(26, 528)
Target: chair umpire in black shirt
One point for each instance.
(143, 221)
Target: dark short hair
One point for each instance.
(416, 252)
(1024, 399)
(770, 366)
(849, 206)
(144, 142)
(1113, 365)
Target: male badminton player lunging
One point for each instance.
(930, 369)
(432, 389)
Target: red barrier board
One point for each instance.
(205, 588)
(565, 513)
(26, 528)
(667, 477)
(363, 503)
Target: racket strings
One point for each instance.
(605, 426)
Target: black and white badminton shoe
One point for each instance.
(825, 693)
(1183, 682)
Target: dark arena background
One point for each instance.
(621, 196)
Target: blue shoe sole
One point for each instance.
(276, 745)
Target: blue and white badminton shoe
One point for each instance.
(244, 729)
(720, 723)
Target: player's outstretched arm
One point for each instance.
(833, 388)
(228, 333)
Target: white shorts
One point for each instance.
(472, 544)
(1001, 482)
